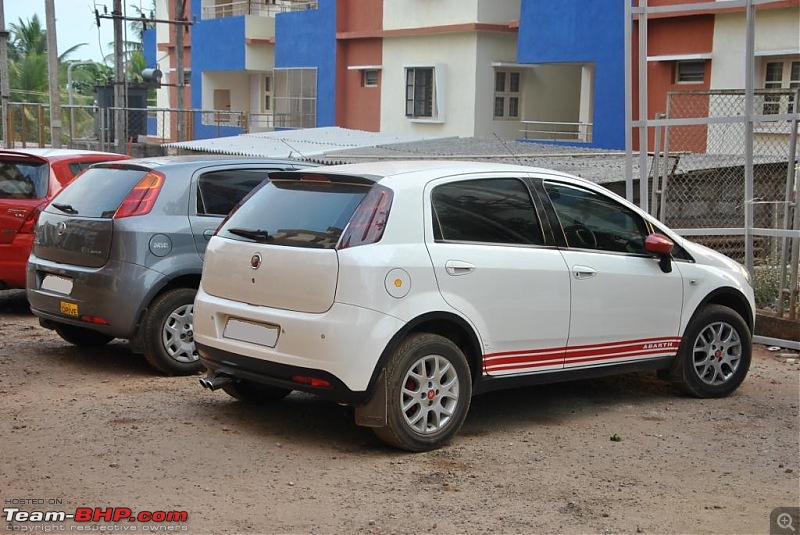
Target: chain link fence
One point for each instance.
(700, 184)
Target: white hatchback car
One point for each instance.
(405, 288)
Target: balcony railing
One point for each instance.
(557, 131)
(260, 8)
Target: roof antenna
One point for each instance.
(303, 156)
(505, 145)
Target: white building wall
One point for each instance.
(454, 56)
(777, 30)
(237, 82)
(777, 33)
(259, 57)
(426, 13)
(493, 48)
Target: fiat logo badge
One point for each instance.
(255, 261)
(61, 228)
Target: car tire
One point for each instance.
(714, 355)
(168, 335)
(428, 391)
(250, 392)
(82, 337)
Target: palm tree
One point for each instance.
(27, 63)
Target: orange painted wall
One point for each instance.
(358, 107)
(673, 36)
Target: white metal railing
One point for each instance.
(260, 8)
(557, 131)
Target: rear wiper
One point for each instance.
(256, 235)
(66, 208)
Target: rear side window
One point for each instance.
(297, 213)
(495, 210)
(219, 191)
(96, 193)
(21, 180)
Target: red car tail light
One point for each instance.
(142, 197)
(369, 220)
(29, 224)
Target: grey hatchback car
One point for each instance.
(118, 253)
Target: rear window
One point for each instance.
(21, 180)
(297, 213)
(96, 193)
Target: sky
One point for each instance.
(75, 24)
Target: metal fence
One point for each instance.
(92, 127)
(698, 184)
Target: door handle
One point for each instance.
(208, 234)
(583, 272)
(458, 267)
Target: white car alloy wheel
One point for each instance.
(428, 391)
(717, 352)
(429, 395)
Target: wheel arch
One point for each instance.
(447, 324)
(188, 279)
(731, 298)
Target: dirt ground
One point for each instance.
(97, 428)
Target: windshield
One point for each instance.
(23, 180)
(295, 212)
(98, 192)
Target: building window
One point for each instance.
(420, 88)
(369, 78)
(506, 94)
(690, 72)
(294, 98)
(268, 93)
(780, 75)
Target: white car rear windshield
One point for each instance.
(296, 213)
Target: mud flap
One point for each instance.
(373, 414)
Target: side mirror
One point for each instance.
(661, 246)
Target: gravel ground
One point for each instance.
(97, 428)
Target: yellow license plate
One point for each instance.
(70, 309)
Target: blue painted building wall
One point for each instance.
(571, 31)
(217, 45)
(149, 49)
(305, 39)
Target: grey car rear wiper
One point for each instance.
(66, 208)
(256, 235)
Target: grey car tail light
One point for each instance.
(142, 197)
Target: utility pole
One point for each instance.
(119, 80)
(52, 74)
(4, 84)
(179, 69)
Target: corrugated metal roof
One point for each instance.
(298, 144)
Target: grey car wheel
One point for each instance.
(178, 334)
(169, 333)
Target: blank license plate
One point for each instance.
(255, 333)
(54, 283)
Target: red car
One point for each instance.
(29, 178)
